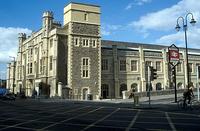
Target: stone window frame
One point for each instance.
(51, 63)
(85, 42)
(132, 65)
(94, 43)
(86, 16)
(31, 68)
(159, 66)
(40, 68)
(76, 41)
(85, 67)
(103, 64)
(51, 43)
(192, 69)
(124, 69)
(179, 68)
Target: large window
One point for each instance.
(85, 43)
(94, 43)
(158, 65)
(51, 43)
(85, 67)
(190, 67)
(122, 65)
(133, 65)
(31, 68)
(50, 62)
(104, 64)
(41, 66)
(86, 16)
(76, 41)
(179, 69)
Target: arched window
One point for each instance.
(104, 91)
(180, 85)
(85, 93)
(123, 87)
(134, 87)
(158, 86)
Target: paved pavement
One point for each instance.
(93, 116)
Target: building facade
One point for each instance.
(72, 61)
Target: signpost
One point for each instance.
(174, 60)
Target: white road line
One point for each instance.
(91, 125)
(70, 118)
(40, 118)
(133, 121)
(170, 122)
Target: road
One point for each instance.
(94, 116)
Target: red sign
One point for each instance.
(174, 55)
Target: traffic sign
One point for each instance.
(173, 54)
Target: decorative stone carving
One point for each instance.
(88, 29)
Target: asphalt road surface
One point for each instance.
(31, 115)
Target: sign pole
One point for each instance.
(174, 59)
(175, 84)
(149, 85)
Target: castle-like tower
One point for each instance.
(84, 49)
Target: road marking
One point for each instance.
(170, 122)
(133, 121)
(41, 118)
(93, 124)
(70, 118)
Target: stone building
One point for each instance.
(71, 61)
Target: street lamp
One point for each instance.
(192, 22)
(13, 84)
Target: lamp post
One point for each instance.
(13, 83)
(184, 20)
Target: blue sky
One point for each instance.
(143, 21)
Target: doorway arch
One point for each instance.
(85, 93)
(123, 87)
(134, 87)
(158, 86)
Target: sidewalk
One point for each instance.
(141, 99)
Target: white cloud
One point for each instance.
(136, 2)
(179, 38)
(9, 42)
(107, 29)
(104, 32)
(165, 19)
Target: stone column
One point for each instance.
(142, 70)
(165, 69)
(60, 89)
(115, 72)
